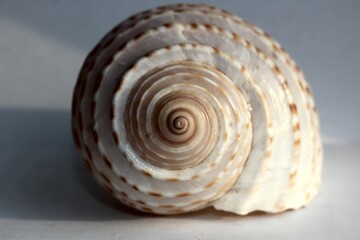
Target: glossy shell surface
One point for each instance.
(187, 106)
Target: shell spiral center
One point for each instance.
(170, 117)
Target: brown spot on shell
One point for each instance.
(133, 17)
(217, 50)
(233, 156)
(116, 137)
(176, 211)
(141, 202)
(91, 63)
(227, 185)
(301, 86)
(109, 189)
(89, 166)
(109, 41)
(132, 66)
(185, 194)
(123, 179)
(107, 161)
(297, 142)
(242, 69)
(225, 136)
(276, 70)
(197, 202)
(288, 62)
(285, 85)
(314, 109)
(235, 36)
(172, 179)
(195, 176)
(138, 36)
(293, 108)
(168, 25)
(123, 194)
(167, 206)
(135, 187)
(108, 62)
(121, 47)
(307, 89)
(180, 10)
(275, 47)
(267, 35)
(237, 118)
(149, 55)
(210, 184)
(155, 194)
(88, 152)
(296, 127)
(211, 7)
(293, 175)
(220, 30)
(146, 173)
(105, 178)
(208, 27)
(194, 25)
(95, 135)
(268, 154)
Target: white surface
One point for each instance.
(46, 192)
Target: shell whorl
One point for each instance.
(186, 106)
(179, 115)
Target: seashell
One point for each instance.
(188, 106)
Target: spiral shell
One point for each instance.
(188, 106)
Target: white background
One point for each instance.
(46, 192)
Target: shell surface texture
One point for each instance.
(187, 106)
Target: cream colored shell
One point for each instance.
(188, 106)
